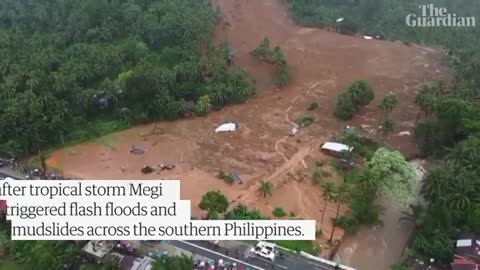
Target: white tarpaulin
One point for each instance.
(367, 37)
(227, 127)
(340, 20)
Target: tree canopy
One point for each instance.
(214, 202)
(72, 70)
(392, 175)
(352, 98)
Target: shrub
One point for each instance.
(262, 52)
(362, 146)
(319, 163)
(357, 95)
(241, 212)
(313, 106)
(365, 211)
(276, 57)
(227, 178)
(388, 126)
(345, 109)
(279, 212)
(362, 93)
(284, 75)
(203, 105)
(221, 175)
(348, 223)
(305, 121)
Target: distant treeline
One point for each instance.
(387, 18)
(72, 70)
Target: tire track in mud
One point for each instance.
(290, 164)
(282, 171)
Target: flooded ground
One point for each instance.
(261, 149)
(384, 242)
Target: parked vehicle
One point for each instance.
(335, 149)
(265, 250)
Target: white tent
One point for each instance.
(340, 19)
(367, 37)
(227, 127)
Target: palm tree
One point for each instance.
(426, 99)
(341, 195)
(415, 215)
(461, 191)
(436, 182)
(386, 106)
(266, 188)
(328, 192)
(387, 127)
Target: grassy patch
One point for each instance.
(95, 129)
(85, 132)
(107, 141)
(300, 245)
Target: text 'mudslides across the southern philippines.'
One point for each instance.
(127, 210)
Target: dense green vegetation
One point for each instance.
(352, 98)
(451, 132)
(387, 18)
(215, 203)
(48, 255)
(68, 65)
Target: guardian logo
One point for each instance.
(432, 16)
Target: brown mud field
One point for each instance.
(261, 149)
